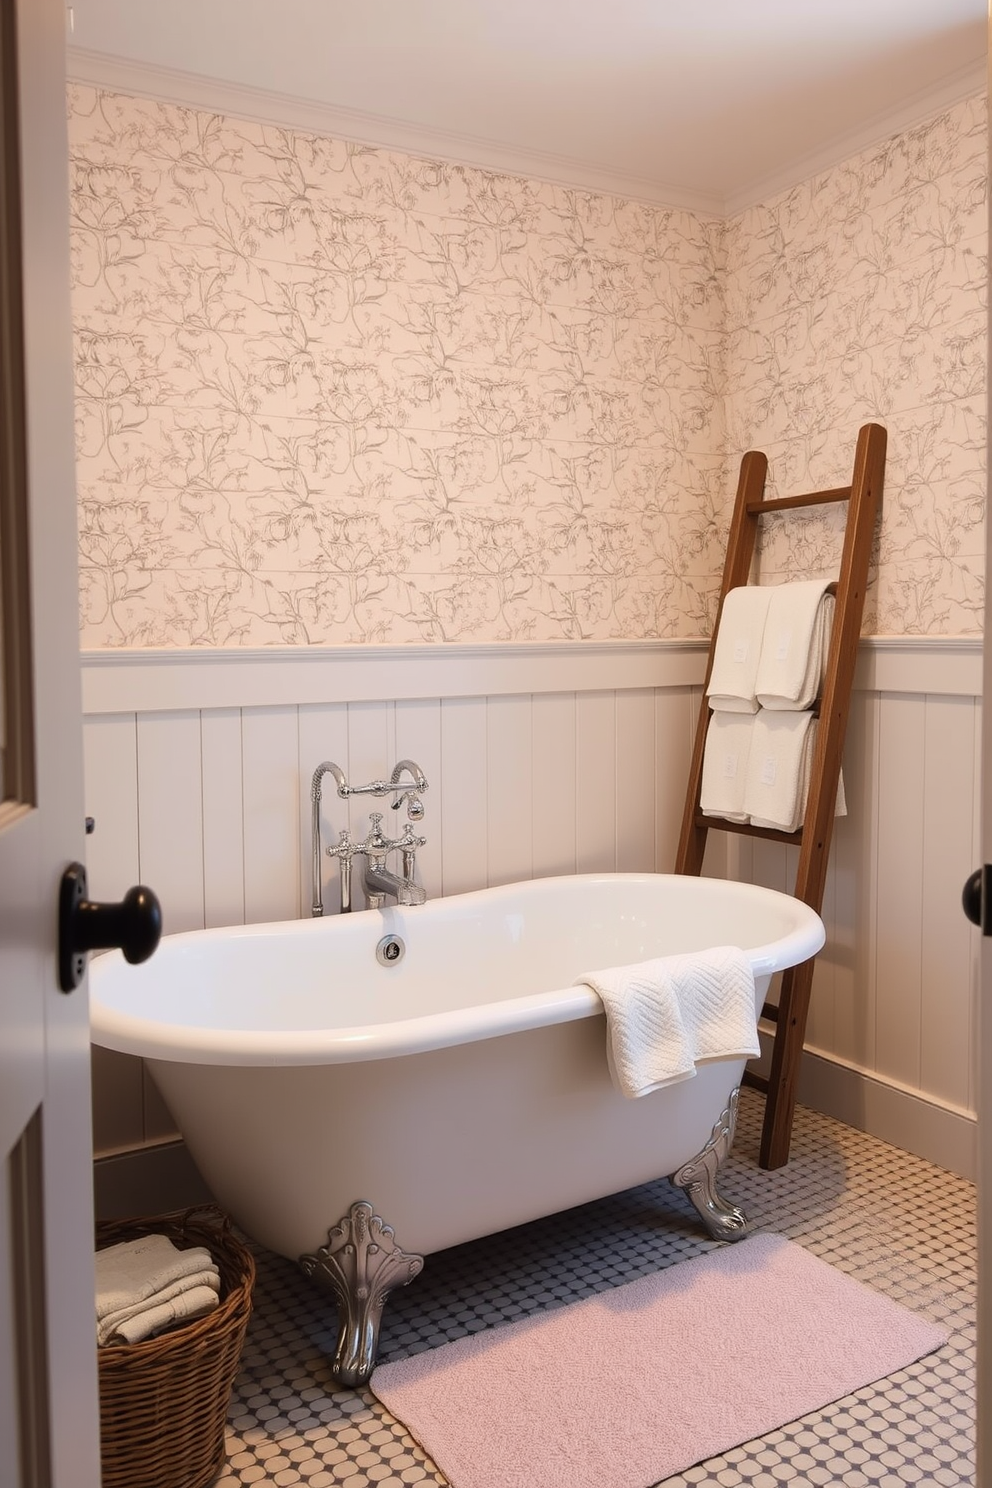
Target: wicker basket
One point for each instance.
(163, 1402)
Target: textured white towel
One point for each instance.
(725, 756)
(794, 647)
(192, 1303)
(664, 1017)
(737, 651)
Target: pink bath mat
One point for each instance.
(625, 1388)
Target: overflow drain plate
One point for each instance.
(390, 950)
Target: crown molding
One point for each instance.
(260, 106)
(967, 82)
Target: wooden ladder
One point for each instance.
(813, 837)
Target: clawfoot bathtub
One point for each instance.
(362, 1091)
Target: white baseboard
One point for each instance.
(942, 1136)
(903, 1118)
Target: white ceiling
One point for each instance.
(703, 103)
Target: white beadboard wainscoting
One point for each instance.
(554, 758)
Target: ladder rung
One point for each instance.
(786, 503)
(745, 829)
(756, 1082)
(770, 1011)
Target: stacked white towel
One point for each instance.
(794, 646)
(733, 675)
(778, 771)
(777, 783)
(663, 1017)
(725, 757)
(768, 669)
(146, 1285)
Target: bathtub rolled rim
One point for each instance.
(155, 1039)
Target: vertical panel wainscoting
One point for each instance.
(891, 1031)
(540, 759)
(555, 759)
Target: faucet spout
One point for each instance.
(377, 879)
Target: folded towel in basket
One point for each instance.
(146, 1284)
(725, 757)
(794, 646)
(663, 1017)
(736, 653)
(157, 1314)
(161, 1308)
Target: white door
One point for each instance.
(983, 1393)
(983, 1401)
(49, 1419)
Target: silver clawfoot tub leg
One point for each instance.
(360, 1265)
(698, 1177)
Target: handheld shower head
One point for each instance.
(414, 805)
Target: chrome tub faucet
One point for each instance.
(377, 880)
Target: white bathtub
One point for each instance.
(458, 1091)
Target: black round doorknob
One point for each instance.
(134, 925)
(971, 896)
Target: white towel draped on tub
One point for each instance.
(148, 1284)
(737, 651)
(664, 1017)
(794, 646)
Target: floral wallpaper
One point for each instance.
(861, 295)
(331, 394)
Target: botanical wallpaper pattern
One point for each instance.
(330, 394)
(861, 295)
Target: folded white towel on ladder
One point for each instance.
(143, 1285)
(778, 771)
(725, 757)
(663, 1017)
(794, 646)
(777, 780)
(737, 650)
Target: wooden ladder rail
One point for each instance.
(814, 836)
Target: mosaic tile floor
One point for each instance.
(889, 1219)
